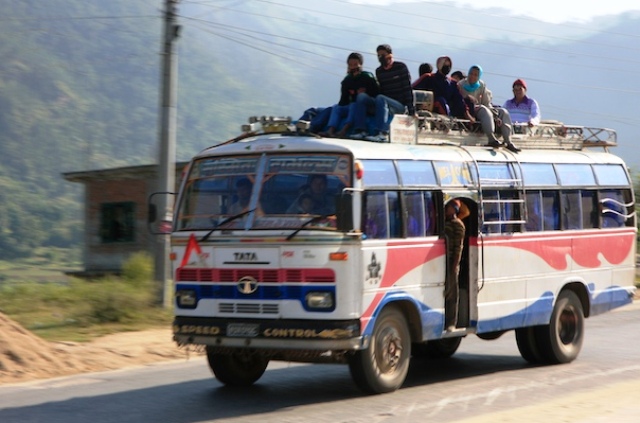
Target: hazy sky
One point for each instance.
(546, 10)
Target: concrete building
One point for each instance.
(116, 215)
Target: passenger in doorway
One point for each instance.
(454, 231)
(478, 99)
(396, 97)
(523, 109)
(357, 81)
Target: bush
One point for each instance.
(111, 300)
(138, 270)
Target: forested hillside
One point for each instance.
(79, 81)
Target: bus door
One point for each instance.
(469, 268)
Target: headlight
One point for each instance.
(320, 300)
(186, 298)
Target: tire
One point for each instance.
(561, 340)
(528, 344)
(236, 369)
(437, 349)
(383, 366)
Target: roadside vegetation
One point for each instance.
(38, 295)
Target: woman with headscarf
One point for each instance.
(478, 100)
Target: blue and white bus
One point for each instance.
(550, 240)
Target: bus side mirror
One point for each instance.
(153, 213)
(344, 211)
(155, 226)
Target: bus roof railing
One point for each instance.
(439, 129)
(444, 130)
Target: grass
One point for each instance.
(40, 297)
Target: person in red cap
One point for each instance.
(523, 109)
(454, 231)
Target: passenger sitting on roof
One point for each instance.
(478, 99)
(458, 76)
(357, 81)
(522, 109)
(396, 97)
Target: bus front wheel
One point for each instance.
(561, 340)
(236, 369)
(383, 366)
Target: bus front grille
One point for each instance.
(248, 308)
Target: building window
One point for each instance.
(117, 222)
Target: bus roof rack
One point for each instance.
(439, 129)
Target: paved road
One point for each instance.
(486, 381)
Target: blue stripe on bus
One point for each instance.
(610, 298)
(264, 292)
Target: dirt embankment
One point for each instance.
(25, 357)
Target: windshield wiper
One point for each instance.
(224, 222)
(314, 219)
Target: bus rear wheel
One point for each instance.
(383, 366)
(236, 369)
(561, 340)
(528, 344)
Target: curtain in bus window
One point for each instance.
(534, 211)
(430, 214)
(589, 209)
(376, 219)
(550, 211)
(571, 210)
(511, 210)
(415, 212)
(612, 201)
(395, 228)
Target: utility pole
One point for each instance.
(167, 144)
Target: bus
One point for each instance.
(550, 240)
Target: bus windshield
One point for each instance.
(271, 191)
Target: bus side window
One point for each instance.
(611, 209)
(376, 219)
(491, 212)
(430, 214)
(534, 211)
(589, 209)
(416, 213)
(571, 213)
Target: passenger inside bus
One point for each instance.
(317, 191)
(304, 204)
(242, 196)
